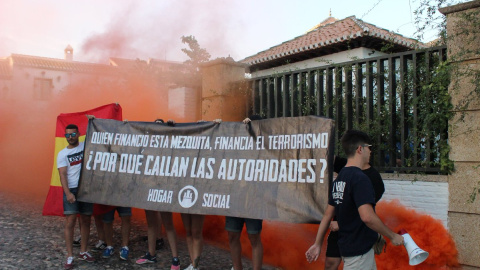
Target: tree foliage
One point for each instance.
(190, 76)
(196, 54)
(427, 18)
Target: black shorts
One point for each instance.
(332, 245)
(235, 224)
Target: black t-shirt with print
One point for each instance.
(350, 190)
(372, 173)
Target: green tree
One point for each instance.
(196, 54)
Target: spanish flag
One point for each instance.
(54, 203)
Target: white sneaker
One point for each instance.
(190, 267)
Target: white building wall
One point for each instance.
(345, 56)
(24, 79)
(5, 89)
(182, 102)
(426, 197)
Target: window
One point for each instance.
(42, 89)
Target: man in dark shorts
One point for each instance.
(125, 214)
(234, 227)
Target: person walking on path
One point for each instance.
(333, 258)
(352, 202)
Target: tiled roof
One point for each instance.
(153, 61)
(114, 61)
(60, 64)
(152, 65)
(323, 23)
(436, 42)
(331, 36)
(5, 70)
(128, 63)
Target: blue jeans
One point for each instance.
(76, 207)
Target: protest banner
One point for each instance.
(275, 169)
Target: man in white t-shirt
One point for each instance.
(69, 164)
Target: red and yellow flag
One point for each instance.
(54, 203)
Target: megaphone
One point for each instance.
(415, 254)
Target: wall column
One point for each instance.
(223, 93)
(463, 45)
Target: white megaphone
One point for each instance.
(416, 254)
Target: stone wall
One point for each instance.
(463, 48)
(220, 100)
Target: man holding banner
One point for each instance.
(69, 163)
(234, 227)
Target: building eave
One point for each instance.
(324, 39)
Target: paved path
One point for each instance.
(29, 240)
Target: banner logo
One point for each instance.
(187, 196)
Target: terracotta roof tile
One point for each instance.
(134, 63)
(330, 33)
(60, 64)
(153, 61)
(324, 22)
(127, 63)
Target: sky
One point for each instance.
(98, 30)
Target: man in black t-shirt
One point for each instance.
(333, 256)
(352, 201)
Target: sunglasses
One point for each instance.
(367, 145)
(70, 135)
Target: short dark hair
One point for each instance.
(352, 139)
(72, 126)
(255, 117)
(159, 120)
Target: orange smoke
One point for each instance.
(428, 233)
(130, 35)
(285, 244)
(28, 125)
